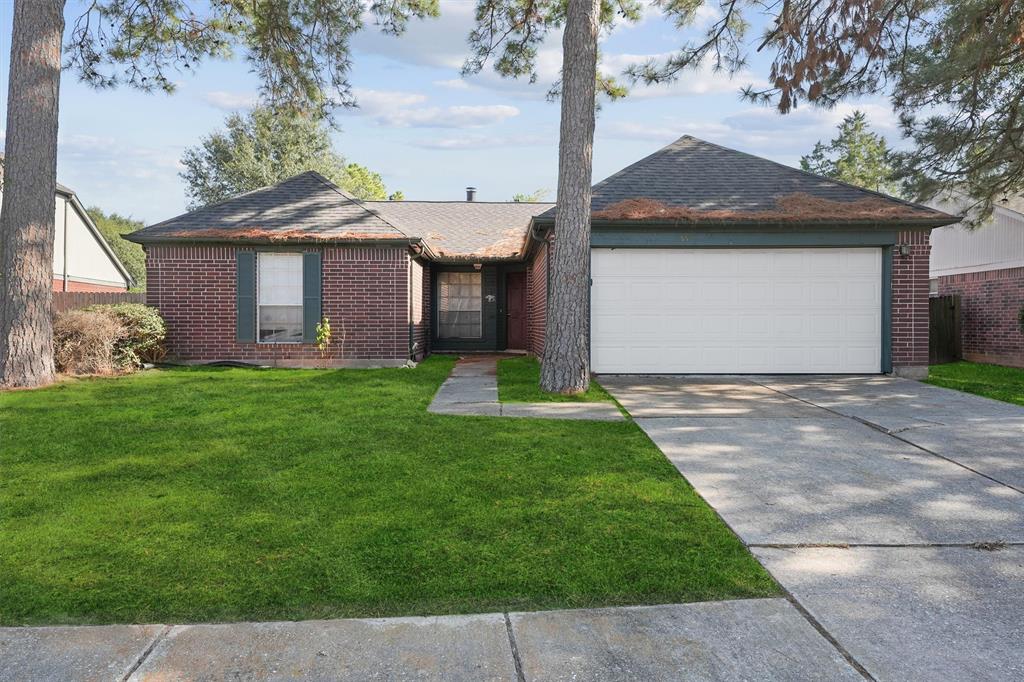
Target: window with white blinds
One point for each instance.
(279, 296)
(459, 305)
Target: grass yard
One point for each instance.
(991, 381)
(518, 382)
(217, 494)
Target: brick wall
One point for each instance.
(421, 307)
(910, 305)
(365, 295)
(536, 299)
(990, 303)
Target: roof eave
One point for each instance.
(465, 260)
(915, 223)
(157, 239)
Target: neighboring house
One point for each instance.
(704, 259)
(985, 268)
(82, 259)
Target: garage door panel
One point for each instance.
(718, 292)
(789, 293)
(736, 310)
(826, 293)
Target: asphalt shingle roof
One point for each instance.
(303, 207)
(462, 230)
(693, 174)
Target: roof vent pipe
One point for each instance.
(471, 194)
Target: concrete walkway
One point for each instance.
(472, 389)
(892, 511)
(760, 639)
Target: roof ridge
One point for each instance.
(359, 202)
(459, 202)
(232, 198)
(644, 159)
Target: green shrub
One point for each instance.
(84, 341)
(142, 336)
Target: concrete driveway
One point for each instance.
(893, 511)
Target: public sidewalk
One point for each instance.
(755, 639)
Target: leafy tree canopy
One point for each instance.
(264, 147)
(299, 49)
(856, 156)
(131, 255)
(535, 195)
(953, 70)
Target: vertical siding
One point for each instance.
(996, 245)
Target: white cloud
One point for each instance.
(761, 131)
(397, 109)
(231, 101)
(462, 116)
(704, 80)
(439, 42)
(453, 84)
(464, 142)
(115, 174)
(373, 101)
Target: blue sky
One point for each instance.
(429, 132)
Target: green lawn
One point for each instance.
(991, 381)
(201, 494)
(518, 382)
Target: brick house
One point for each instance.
(985, 268)
(704, 259)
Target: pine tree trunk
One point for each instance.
(30, 172)
(566, 364)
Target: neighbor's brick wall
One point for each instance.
(910, 302)
(536, 299)
(990, 303)
(365, 295)
(58, 285)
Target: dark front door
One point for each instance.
(515, 292)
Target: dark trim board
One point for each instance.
(887, 310)
(668, 239)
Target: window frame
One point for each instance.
(298, 255)
(480, 310)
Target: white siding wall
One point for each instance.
(996, 245)
(87, 259)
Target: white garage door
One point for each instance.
(736, 310)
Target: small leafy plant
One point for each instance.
(323, 337)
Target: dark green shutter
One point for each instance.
(245, 296)
(310, 295)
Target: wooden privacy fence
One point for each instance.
(944, 330)
(73, 300)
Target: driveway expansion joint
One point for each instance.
(894, 433)
(520, 677)
(146, 653)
